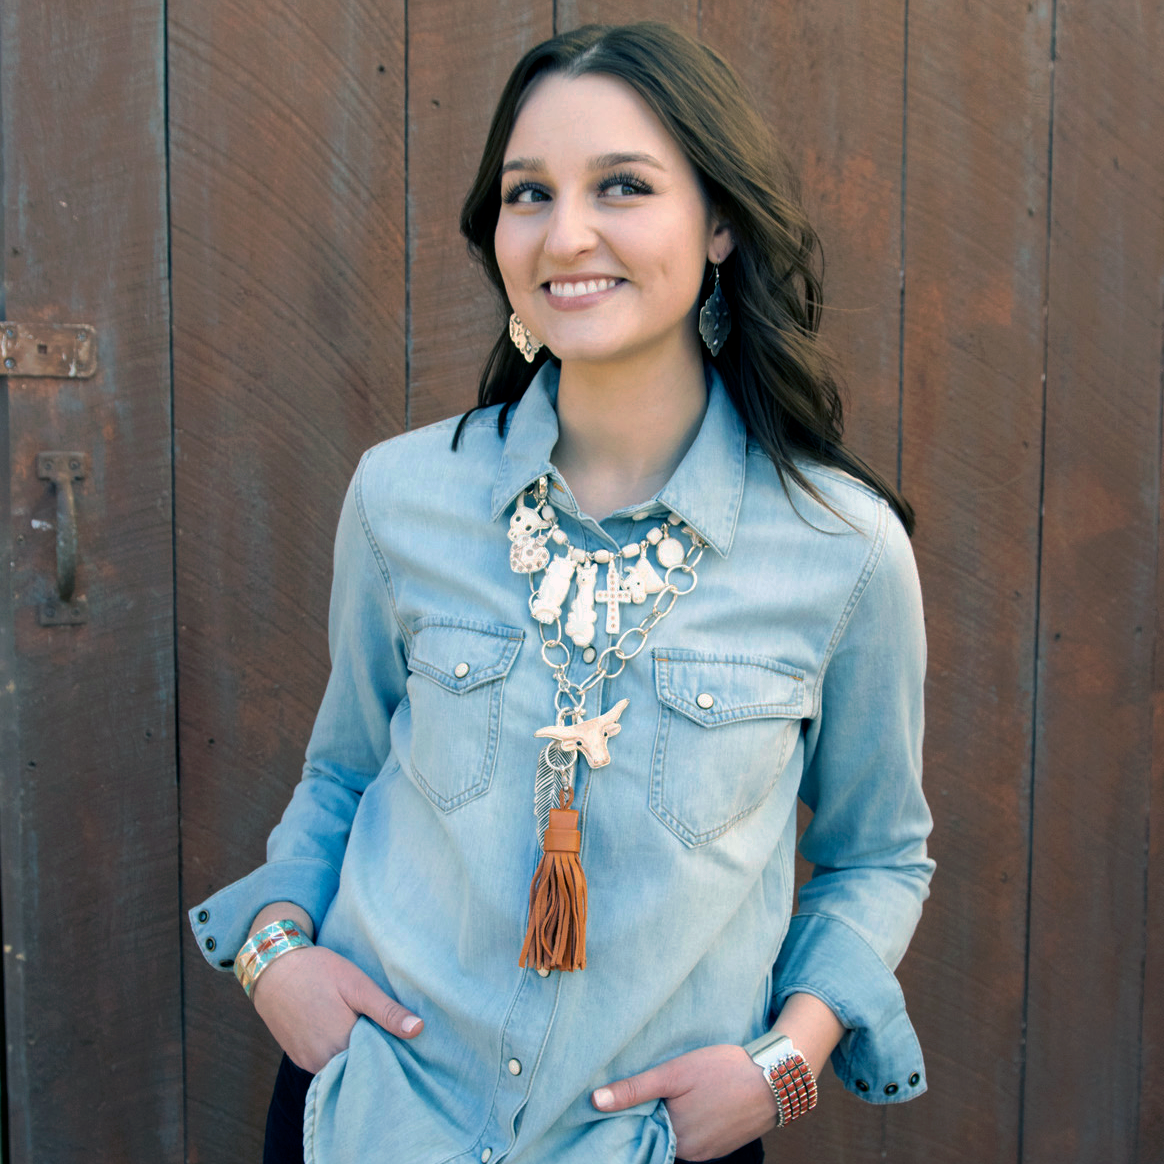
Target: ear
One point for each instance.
(723, 239)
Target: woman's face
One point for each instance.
(604, 230)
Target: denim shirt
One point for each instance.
(411, 838)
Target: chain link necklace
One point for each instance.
(556, 934)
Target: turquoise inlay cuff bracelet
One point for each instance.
(263, 947)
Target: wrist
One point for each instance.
(787, 1073)
(264, 947)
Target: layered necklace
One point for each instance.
(556, 935)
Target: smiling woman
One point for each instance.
(548, 868)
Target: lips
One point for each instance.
(580, 287)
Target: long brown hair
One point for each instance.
(778, 374)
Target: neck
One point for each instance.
(621, 437)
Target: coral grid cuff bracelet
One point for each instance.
(787, 1073)
(263, 947)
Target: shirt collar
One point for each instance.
(705, 490)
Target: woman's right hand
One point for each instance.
(310, 999)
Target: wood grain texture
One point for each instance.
(1097, 605)
(89, 827)
(287, 147)
(830, 79)
(460, 55)
(574, 13)
(975, 241)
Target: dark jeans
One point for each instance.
(284, 1143)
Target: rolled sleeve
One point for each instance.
(879, 1058)
(867, 837)
(349, 744)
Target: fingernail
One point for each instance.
(410, 1024)
(603, 1097)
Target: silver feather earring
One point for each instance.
(523, 339)
(715, 318)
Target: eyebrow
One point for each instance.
(600, 162)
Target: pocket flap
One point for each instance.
(715, 690)
(461, 656)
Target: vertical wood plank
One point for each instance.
(88, 826)
(287, 145)
(460, 54)
(574, 13)
(975, 243)
(1093, 763)
(830, 78)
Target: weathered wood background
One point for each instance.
(256, 204)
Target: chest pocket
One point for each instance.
(726, 728)
(455, 689)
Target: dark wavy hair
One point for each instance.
(778, 374)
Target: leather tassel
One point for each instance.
(556, 936)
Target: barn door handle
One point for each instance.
(62, 469)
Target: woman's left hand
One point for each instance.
(717, 1098)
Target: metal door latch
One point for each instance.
(62, 469)
(62, 351)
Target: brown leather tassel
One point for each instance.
(556, 936)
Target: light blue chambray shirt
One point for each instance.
(411, 839)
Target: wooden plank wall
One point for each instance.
(88, 794)
(987, 181)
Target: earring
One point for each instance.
(715, 319)
(523, 339)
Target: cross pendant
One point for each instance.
(614, 595)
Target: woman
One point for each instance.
(613, 974)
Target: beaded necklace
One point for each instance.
(556, 934)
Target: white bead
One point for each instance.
(548, 512)
(559, 536)
(655, 536)
(631, 551)
(577, 555)
(601, 556)
(669, 552)
(674, 518)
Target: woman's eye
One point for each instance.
(524, 192)
(624, 186)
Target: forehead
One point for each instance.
(588, 116)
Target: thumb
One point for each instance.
(366, 998)
(642, 1088)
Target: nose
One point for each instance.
(571, 229)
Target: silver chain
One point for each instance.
(575, 693)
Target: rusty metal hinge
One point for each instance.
(63, 351)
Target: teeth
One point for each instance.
(572, 290)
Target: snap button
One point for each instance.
(914, 1079)
(640, 516)
(514, 1066)
(891, 1089)
(589, 655)
(210, 943)
(705, 700)
(486, 1156)
(862, 1085)
(203, 917)
(461, 670)
(226, 963)
(543, 972)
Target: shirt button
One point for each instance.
(543, 972)
(514, 1066)
(461, 670)
(486, 1156)
(589, 655)
(705, 701)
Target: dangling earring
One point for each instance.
(715, 319)
(523, 339)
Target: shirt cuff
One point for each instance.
(879, 1059)
(221, 923)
